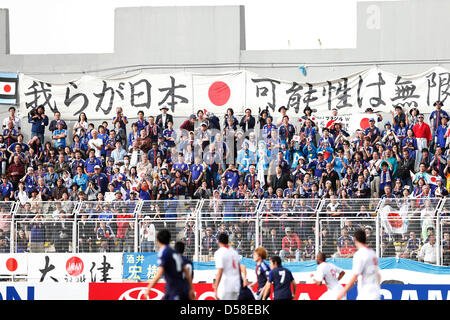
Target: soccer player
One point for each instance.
(178, 287)
(179, 247)
(262, 270)
(329, 274)
(282, 279)
(228, 277)
(365, 270)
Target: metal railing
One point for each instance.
(296, 229)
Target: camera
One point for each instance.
(32, 113)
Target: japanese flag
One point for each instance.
(361, 121)
(431, 179)
(218, 92)
(8, 85)
(7, 88)
(394, 221)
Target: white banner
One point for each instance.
(185, 93)
(75, 268)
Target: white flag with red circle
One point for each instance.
(361, 121)
(13, 264)
(394, 220)
(215, 93)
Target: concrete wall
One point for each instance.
(402, 37)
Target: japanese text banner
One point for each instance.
(185, 93)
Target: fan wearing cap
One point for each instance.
(290, 245)
(203, 136)
(372, 132)
(59, 135)
(436, 115)
(100, 179)
(164, 118)
(422, 132)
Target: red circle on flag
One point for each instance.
(11, 264)
(219, 93)
(395, 220)
(433, 179)
(7, 88)
(364, 123)
(74, 266)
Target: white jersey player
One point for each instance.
(365, 271)
(228, 278)
(329, 274)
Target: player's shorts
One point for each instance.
(331, 295)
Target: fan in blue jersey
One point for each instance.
(170, 265)
(282, 280)
(262, 270)
(179, 247)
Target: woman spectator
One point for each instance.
(82, 123)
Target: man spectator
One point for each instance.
(373, 132)
(6, 189)
(121, 119)
(290, 246)
(10, 134)
(188, 125)
(118, 153)
(101, 179)
(16, 171)
(15, 119)
(90, 163)
(59, 135)
(141, 123)
(164, 118)
(154, 153)
(57, 119)
(413, 246)
(96, 144)
(423, 136)
(143, 142)
(405, 167)
(247, 121)
(279, 179)
(427, 253)
(153, 130)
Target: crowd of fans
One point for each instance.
(262, 156)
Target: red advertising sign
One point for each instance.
(203, 291)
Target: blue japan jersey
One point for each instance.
(281, 279)
(176, 284)
(262, 275)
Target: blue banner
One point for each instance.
(140, 266)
